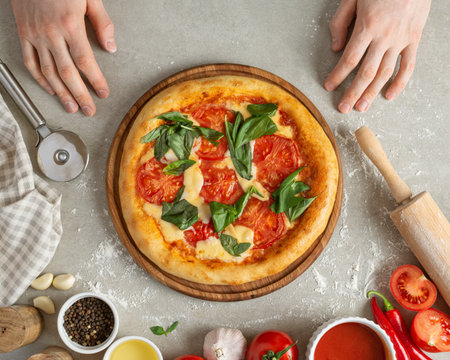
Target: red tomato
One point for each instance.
(189, 357)
(209, 151)
(155, 186)
(430, 330)
(275, 158)
(271, 340)
(213, 116)
(267, 226)
(219, 183)
(412, 289)
(200, 231)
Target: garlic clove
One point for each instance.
(64, 281)
(42, 282)
(224, 344)
(45, 304)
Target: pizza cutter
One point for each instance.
(61, 155)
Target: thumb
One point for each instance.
(103, 26)
(340, 22)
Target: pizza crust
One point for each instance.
(176, 258)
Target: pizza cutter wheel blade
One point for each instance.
(61, 155)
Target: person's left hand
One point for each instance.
(383, 31)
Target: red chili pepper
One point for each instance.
(380, 319)
(399, 325)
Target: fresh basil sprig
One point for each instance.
(178, 167)
(179, 212)
(231, 246)
(243, 131)
(224, 215)
(178, 134)
(285, 199)
(159, 330)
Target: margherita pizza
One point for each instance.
(226, 180)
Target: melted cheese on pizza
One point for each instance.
(211, 248)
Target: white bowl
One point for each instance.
(72, 344)
(126, 338)
(315, 338)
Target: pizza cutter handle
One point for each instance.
(22, 100)
(373, 149)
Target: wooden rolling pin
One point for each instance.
(419, 219)
(20, 325)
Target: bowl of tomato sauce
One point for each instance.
(351, 338)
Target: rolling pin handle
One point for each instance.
(374, 151)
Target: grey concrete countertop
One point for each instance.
(291, 39)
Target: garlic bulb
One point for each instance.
(224, 344)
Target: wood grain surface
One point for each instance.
(245, 291)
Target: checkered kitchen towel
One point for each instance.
(30, 220)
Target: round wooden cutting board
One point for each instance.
(245, 291)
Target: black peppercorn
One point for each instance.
(89, 321)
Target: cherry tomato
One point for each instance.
(412, 289)
(200, 231)
(219, 183)
(155, 186)
(430, 330)
(213, 116)
(267, 226)
(189, 357)
(209, 151)
(272, 340)
(275, 158)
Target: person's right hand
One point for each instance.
(54, 43)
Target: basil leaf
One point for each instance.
(231, 246)
(285, 199)
(180, 212)
(161, 146)
(154, 134)
(243, 200)
(157, 330)
(242, 157)
(295, 212)
(210, 134)
(269, 109)
(241, 248)
(178, 167)
(237, 123)
(253, 128)
(222, 215)
(228, 242)
(175, 116)
(189, 137)
(179, 194)
(177, 142)
(172, 327)
(288, 181)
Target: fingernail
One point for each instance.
(344, 108)
(102, 93)
(111, 46)
(87, 111)
(70, 107)
(329, 86)
(390, 95)
(50, 91)
(362, 105)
